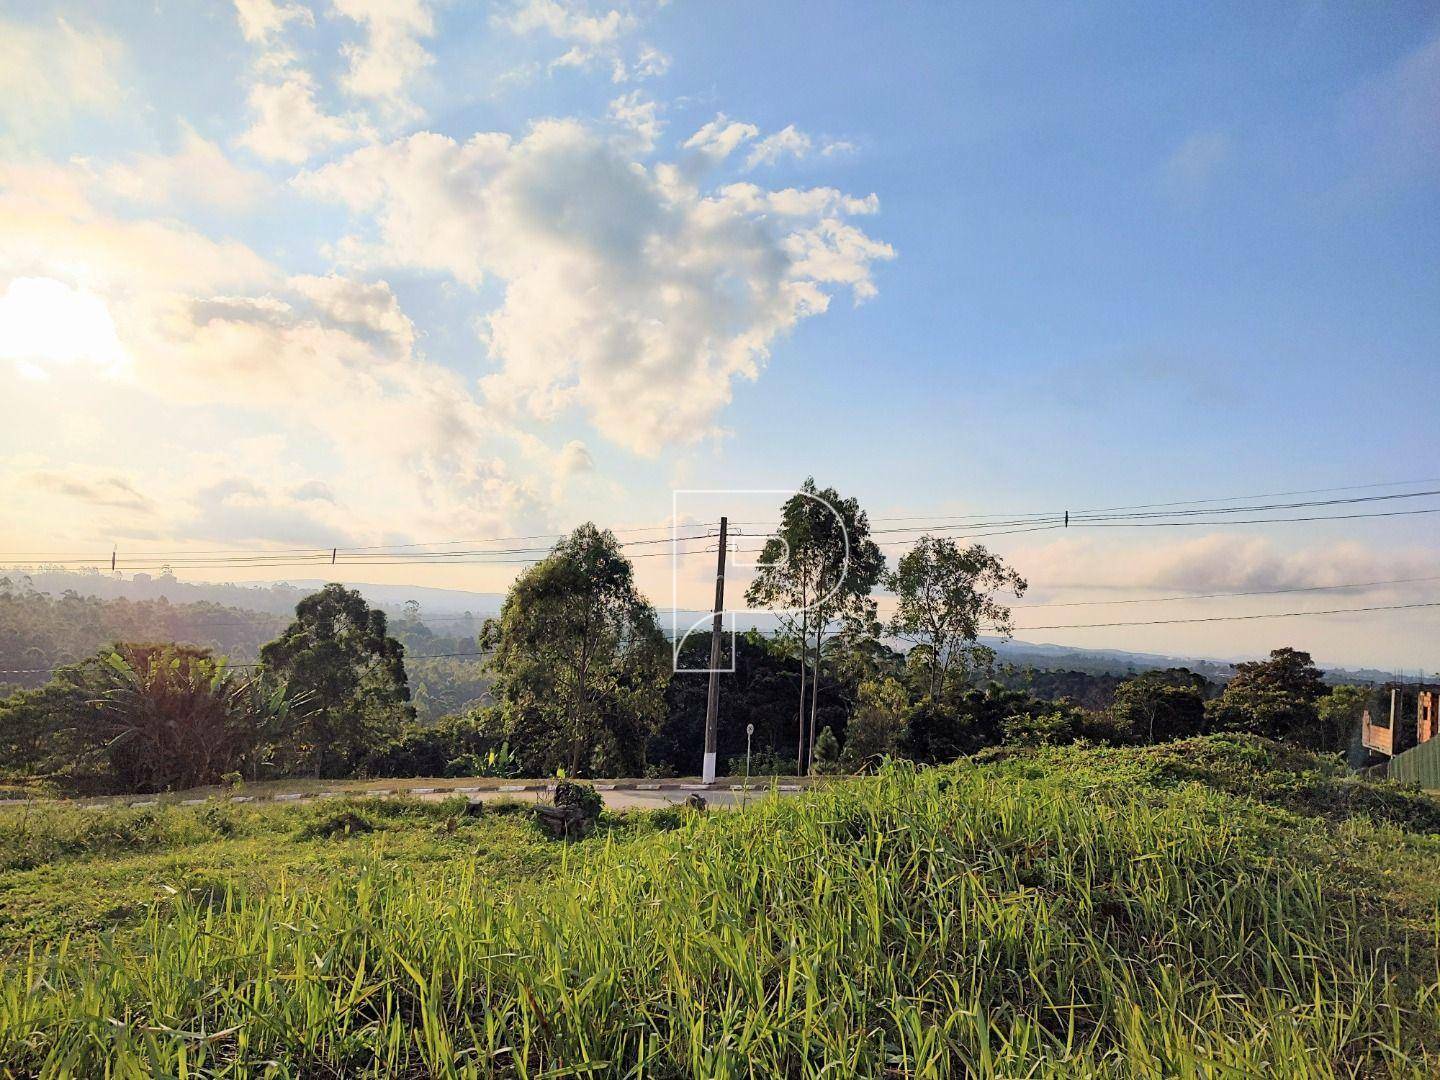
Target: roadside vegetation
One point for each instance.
(1221, 906)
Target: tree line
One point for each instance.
(578, 681)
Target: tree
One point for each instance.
(818, 568)
(140, 718)
(579, 660)
(945, 598)
(877, 723)
(174, 716)
(1157, 706)
(338, 654)
(1339, 715)
(826, 760)
(1276, 698)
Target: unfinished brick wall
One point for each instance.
(1425, 716)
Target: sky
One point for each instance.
(355, 273)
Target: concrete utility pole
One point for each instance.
(712, 706)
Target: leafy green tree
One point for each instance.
(877, 723)
(826, 760)
(140, 718)
(174, 716)
(1157, 706)
(819, 568)
(1277, 698)
(338, 655)
(945, 597)
(761, 692)
(579, 660)
(1339, 716)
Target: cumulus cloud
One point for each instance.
(719, 138)
(568, 21)
(52, 71)
(590, 37)
(383, 66)
(289, 121)
(637, 113)
(289, 125)
(629, 292)
(199, 172)
(648, 64)
(574, 458)
(772, 148)
(306, 357)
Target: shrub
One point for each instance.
(574, 795)
(336, 823)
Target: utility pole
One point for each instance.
(712, 706)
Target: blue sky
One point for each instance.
(364, 272)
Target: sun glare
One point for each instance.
(46, 322)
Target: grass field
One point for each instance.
(1213, 908)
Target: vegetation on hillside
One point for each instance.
(1063, 911)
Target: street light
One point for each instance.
(749, 730)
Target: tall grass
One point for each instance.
(953, 922)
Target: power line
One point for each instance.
(1233, 618)
(1216, 595)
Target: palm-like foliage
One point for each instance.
(174, 716)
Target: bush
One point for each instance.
(336, 823)
(574, 795)
(827, 755)
(762, 763)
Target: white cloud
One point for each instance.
(628, 292)
(638, 114)
(328, 361)
(772, 148)
(568, 21)
(575, 458)
(50, 228)
(1215, 562)
(383, 67)
(591, 36)
(648, 64)
(289, 123)
(198, 173)
(52, 71)
(719, 138)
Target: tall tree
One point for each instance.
(338, 654)
(945, 598)
(1157, 706)
(1276, 698)
(579, 660)
(818, 569)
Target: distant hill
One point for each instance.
(444, 607)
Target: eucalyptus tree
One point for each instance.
(945, 597)
(817, 569)
(579, 660)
